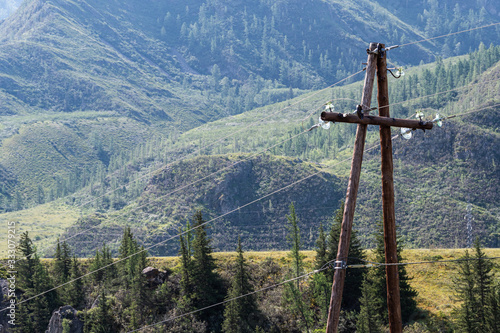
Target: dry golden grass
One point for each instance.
(44, 223)
(433, 281)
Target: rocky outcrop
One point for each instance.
(3, 304)
(65, 313)
(154, 276)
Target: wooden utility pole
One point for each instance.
(376, 62)
(350, 201)
(391, 254)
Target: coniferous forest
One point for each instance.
(122, 292)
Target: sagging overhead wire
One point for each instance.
(325, 267)
(185, 231)
(369, 264)
(332, 264)
(227, 136)
(371, 109)
(252, 124)
(218, 217)
(204, 147)
(450, 34)
(189, 184)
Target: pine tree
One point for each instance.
(62, 267)
(494, 313)
(464, 285)
(484, 284)
(62, 262)
(240, 314)
(321, 289)
(378, 278)
(354, 277)
(95, 266)
(474, 287)
(32, 280)
(103, 321)
(134, 260)
(293, 293)
(186, 269)
(109, 272)
(294, 240)
(369, 320)
(76, 293)
(208, 287)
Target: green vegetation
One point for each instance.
(119, 120)
(125, 296)
(46, 222)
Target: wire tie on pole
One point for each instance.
(391, 47)
(359, 111)
(340, 264)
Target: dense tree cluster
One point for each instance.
(201, 294)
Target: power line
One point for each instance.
(173, 237)
(192, 183)
(228, 136)
(204, 147)
(374, 264)
(186, 231)
(216, 218)
(471, 85)
(445, 118)
(398, 103)
(450, 34)
(326, 266)
(218, 141)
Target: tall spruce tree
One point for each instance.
(369, 320)
(240, 314)
(474, 286)
(62, 262)
(320, 285)
(103, 321)
(354, 277)
(378, 279)
(208, 286)
(494, 313)
(134, 260)
(464, 285)
(32, 280)
(294, 295)
(62, 267)
(184, 303)
(484, 284)
(76, 293)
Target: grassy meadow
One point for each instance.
(46, 222)
(433, 281)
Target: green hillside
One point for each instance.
(455, 165)
(219, 185)
(96, 96)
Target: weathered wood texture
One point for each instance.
(375, 120)
(393, 297)
(350, 202)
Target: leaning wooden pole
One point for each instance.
(350, 201)
(391, 255)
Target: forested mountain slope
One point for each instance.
(94, 95)
(219, 185)
(171, 66)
